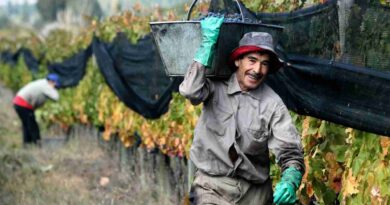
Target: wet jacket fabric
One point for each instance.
(237, 129)
(37, 92)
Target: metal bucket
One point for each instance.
(177, 42)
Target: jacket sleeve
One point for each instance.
(285, 141)
(51, 93)
(195, 86)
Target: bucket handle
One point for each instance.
(194, 2)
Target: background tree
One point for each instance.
(49, 8)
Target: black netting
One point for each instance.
(30, 60)
(72, 70)
(368, 36)
(338, 61)
(356, 34)
(9, 57)
(136, 75)
(341, 93)
(311, 31)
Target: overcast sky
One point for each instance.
(5, 2)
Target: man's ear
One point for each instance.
(237, 63)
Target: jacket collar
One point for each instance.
(233, 86)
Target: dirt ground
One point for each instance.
(76, 172)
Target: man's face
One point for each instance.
(252, 70)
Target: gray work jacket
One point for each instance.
(247, 124)
(37, 92)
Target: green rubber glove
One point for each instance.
(210, 30)
(288, 185)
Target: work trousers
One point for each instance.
(29, 124)
(222, 190)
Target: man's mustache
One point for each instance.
(256, 75)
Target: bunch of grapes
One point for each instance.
(231, 18)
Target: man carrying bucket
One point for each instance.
(242, 119)
(29, 98)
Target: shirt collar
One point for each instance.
(234, 87)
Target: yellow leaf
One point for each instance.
(351, 135)
(127, 142)
(350, 185)
(305, 126)
(83, 118)
(101, 115)
(163, 141)
(107, 134)
(279, 2)
(385, 143)
(370, 179)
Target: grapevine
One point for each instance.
(343, 164)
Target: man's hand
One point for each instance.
(288, 185)
(210, 31)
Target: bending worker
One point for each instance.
(30, 97)
(242, 119)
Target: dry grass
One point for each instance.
(71, 174)
(9, 123)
